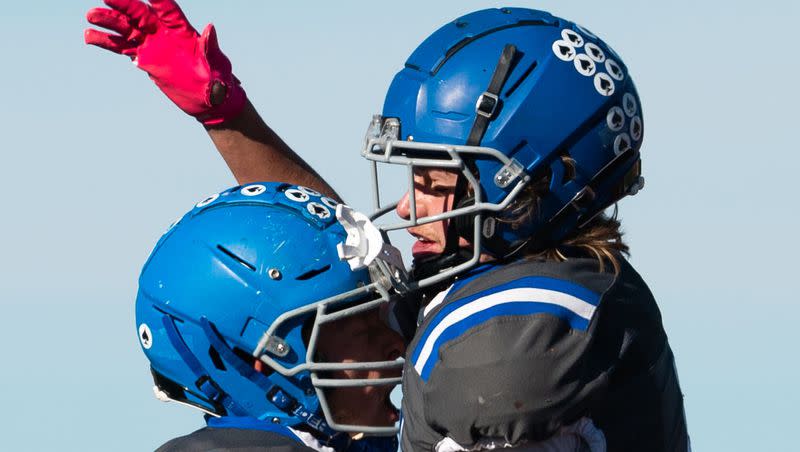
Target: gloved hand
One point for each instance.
(184, 65)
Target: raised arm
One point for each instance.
(191, 70)
(254, 152)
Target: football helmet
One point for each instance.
(250, 274)
(505, 97)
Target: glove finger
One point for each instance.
(114, 43)
(138, 13)
(110, 19)
(170, 13)
(210, 45)
(208, 40)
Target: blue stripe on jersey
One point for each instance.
(507, 309)
(563, 306)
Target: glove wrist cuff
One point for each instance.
(233, 104)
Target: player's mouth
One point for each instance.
(424, 247)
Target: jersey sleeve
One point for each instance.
(516, 361)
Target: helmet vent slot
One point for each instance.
(312, 273)
(216, 359)
(238, 259)
(462, 43)
(521, 79)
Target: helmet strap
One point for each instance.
(274, 393)
(489, 101)
(222, 402)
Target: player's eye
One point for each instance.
(442, 189)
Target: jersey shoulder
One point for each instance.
(235, 439)
(518, 350)
(556, 296)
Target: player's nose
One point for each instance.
(403, 207)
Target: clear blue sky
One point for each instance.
(96, 163)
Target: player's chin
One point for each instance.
(392, 412)
(385, 413)
(370, 406)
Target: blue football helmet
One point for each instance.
(504, 96)
(250, 274)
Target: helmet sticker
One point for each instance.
(584, 65)
(317, 209)
(595, 52)
(253, 190)
(636, 128)
(309, 191)
(572, 37)
(296, 195)
(145, 336)
(564, 50)
(612, 67)
(329, 202)
(208, 200)
(604, 84)
(622, 143)
(615, 119)
(629, 104)
(586, 32)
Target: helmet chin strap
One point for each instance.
(275, 394)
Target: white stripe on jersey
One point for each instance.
(528, 294)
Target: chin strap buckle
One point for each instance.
(487, 104)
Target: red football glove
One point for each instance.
(162, 42)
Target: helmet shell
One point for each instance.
(241, 258)
(567, 94)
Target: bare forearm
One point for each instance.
(254, 152)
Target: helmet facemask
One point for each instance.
(473, 216)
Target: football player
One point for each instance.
(246, 313)
(519, 129)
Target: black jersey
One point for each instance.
(230, 434)
(517, 351)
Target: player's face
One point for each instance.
(359, 338)
(434, 190)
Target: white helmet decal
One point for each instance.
(145, 336)
(604, 84)
(622, 143)
(208, 200)
(329, 202)
(253, 190)
(613, 68)
(615, 119)
(572, 37)
(629, 104)
(595, 52)
(584, 65)
(564, 50)
(308, 191)
(636, 128)
(296, 195)
(317, 209)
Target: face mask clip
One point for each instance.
(365, 247)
